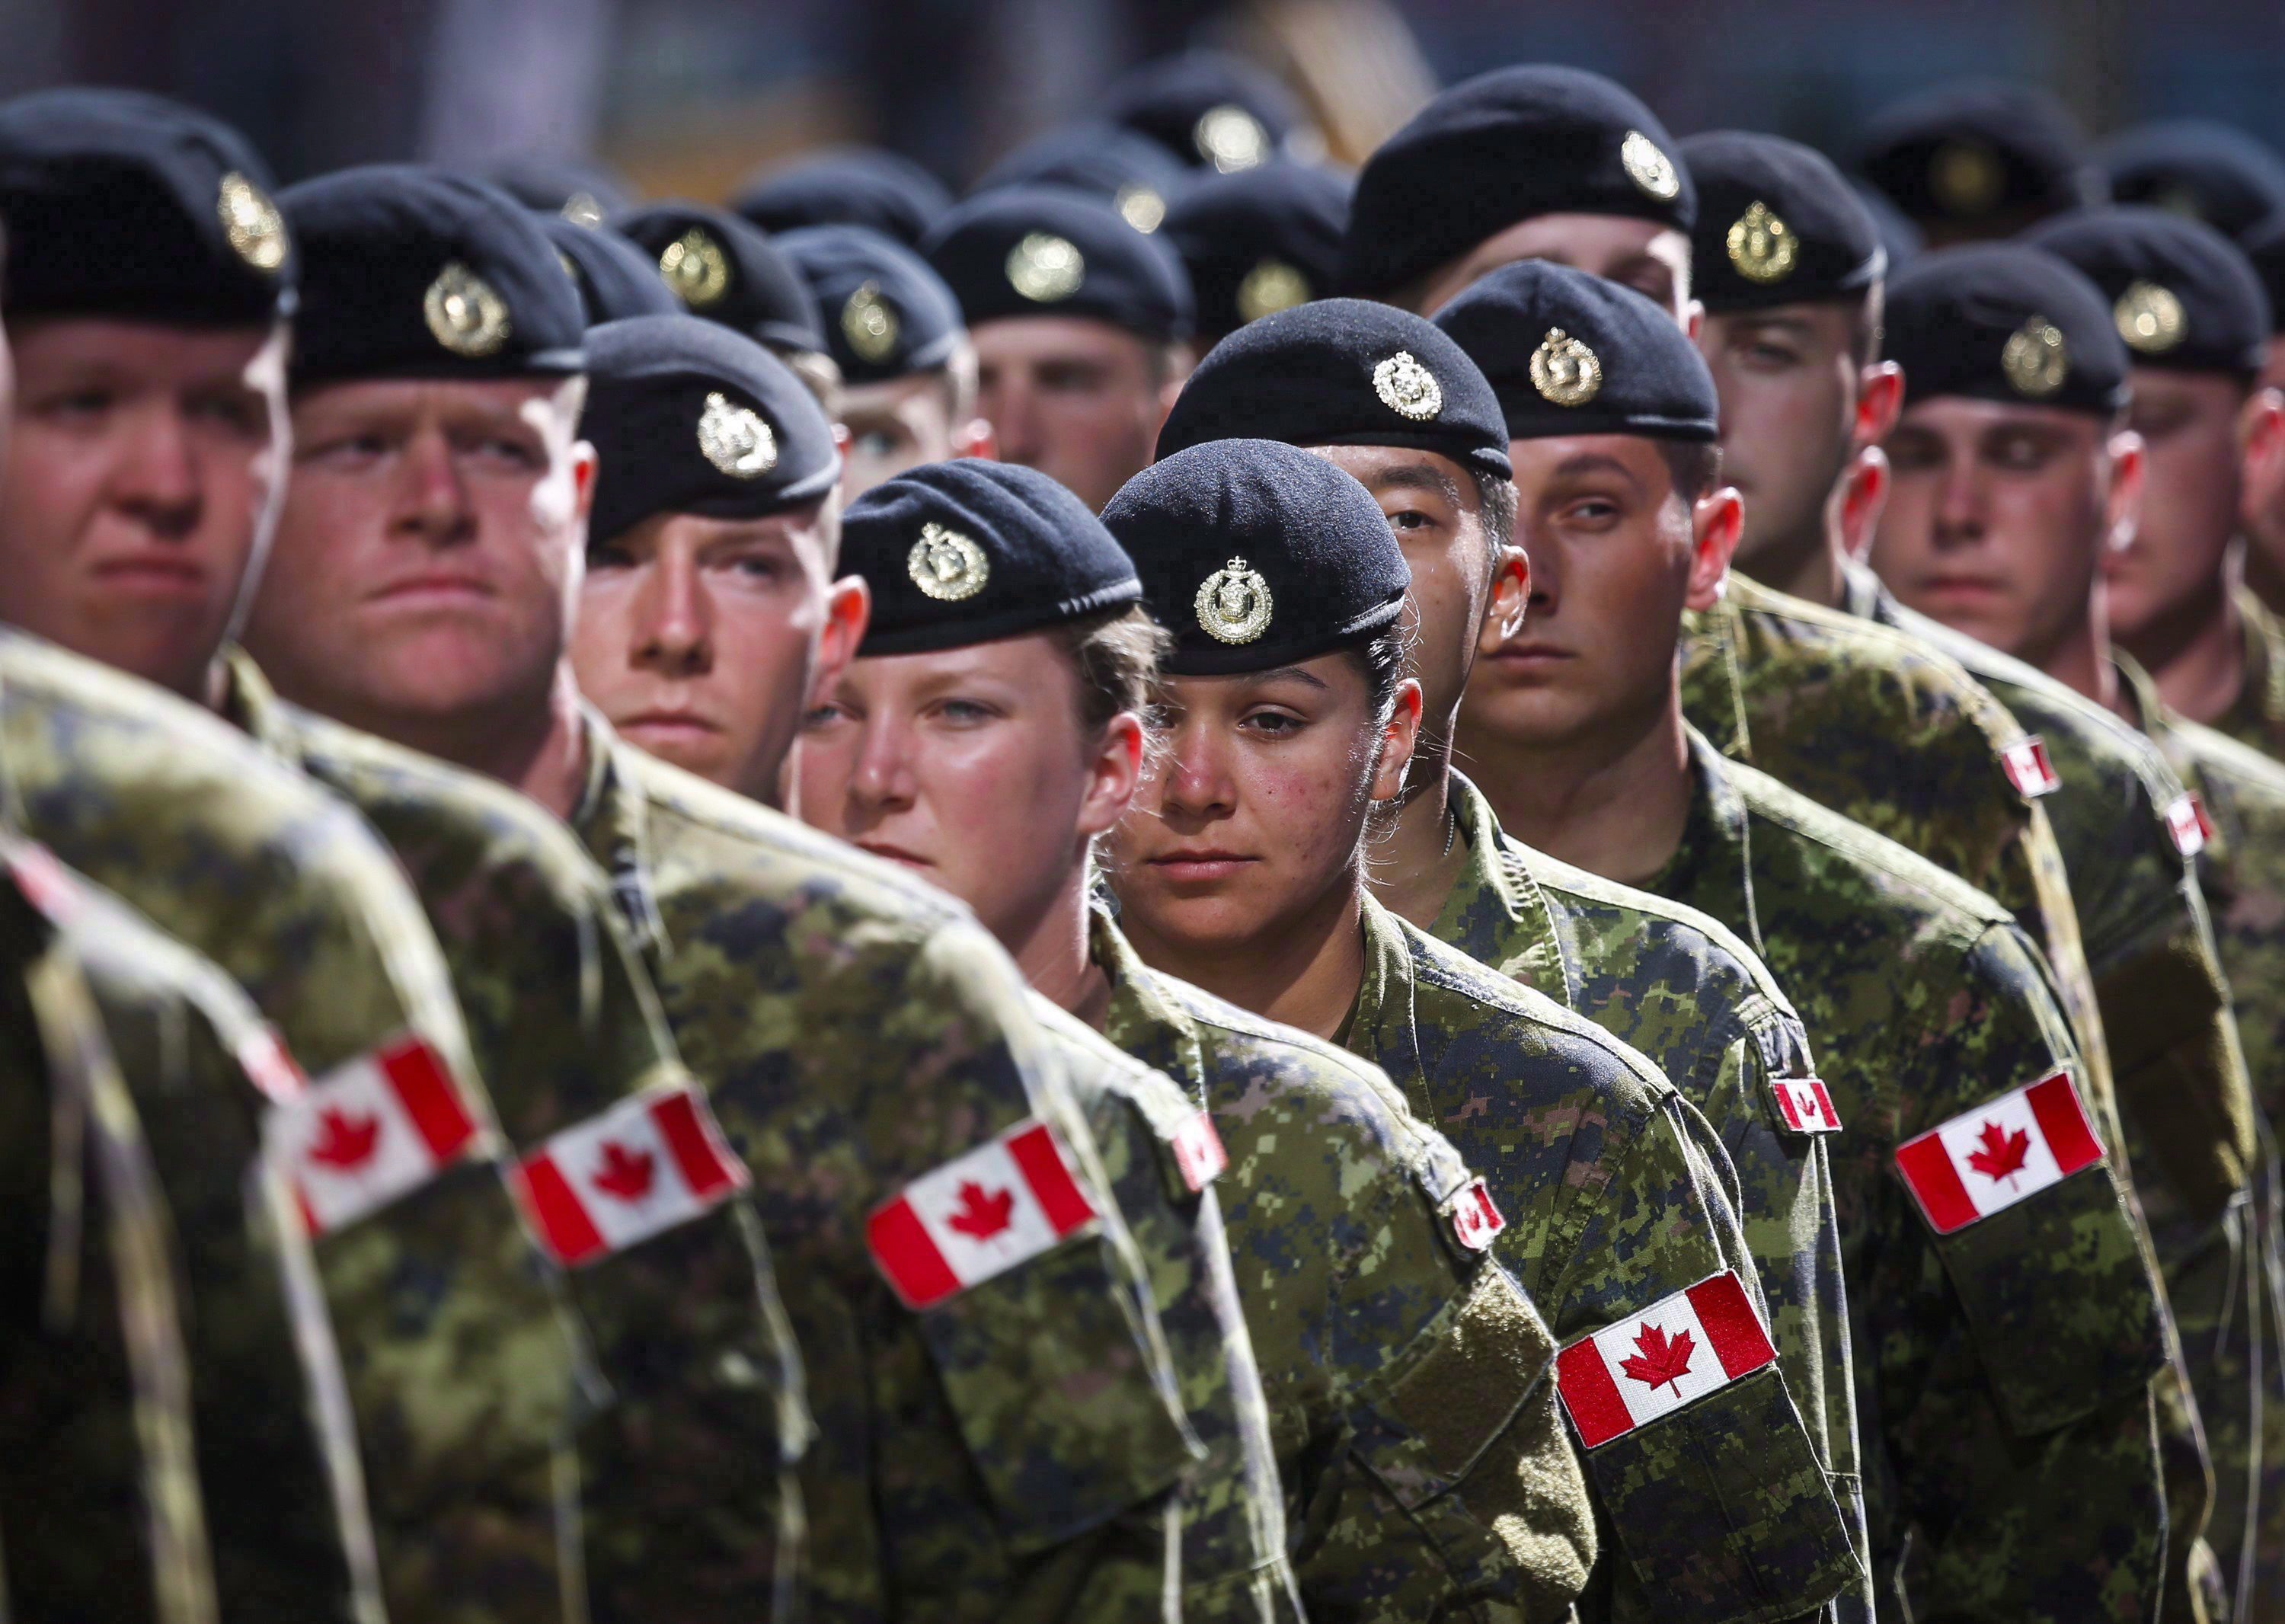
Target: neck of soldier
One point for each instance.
(533, 743)
(2196, 652)
(1304, 969)
(1053, 952)
(1807, 566)
(1414, 867)
(1612, 798)
(2081, 659)
(2266, 578)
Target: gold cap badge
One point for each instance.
(1762, 246)
(1565, 371)
(2035, 360)
(1407, 387)
(1230, 139)
(1648, 167)
(1141, 208)
(464, 313)
(695, 267)
(946, 565)
(1272, 286)
(735, 439)
(250, 220)
(1966, 177)
(869, 323)
(581, 209)
(1233, 603)
(2150, 318)
(1045, 268)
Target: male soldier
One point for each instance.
(2208, 170)
(1389, 397)
(1790, 271)
(1262, 239)
(147, 278)
(1114, 165)
(2001, 1371)
(1978, 160)
(2264, 248)
(1522, 163)
(1213, 109)
(2012, 482)
(854, 1036)
(896, 334)
(846, 186)
(1080, 322)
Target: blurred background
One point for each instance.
(687, 95)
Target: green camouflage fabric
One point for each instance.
(679, 1517)
(1676, 986)
(1013, 1452)
(98, 1478)
(2003, 1371)
(1617, 1194)
(2256, 718)
(461, 1361)
(2241, 870)
(1426, 1473)
(1234, 1563)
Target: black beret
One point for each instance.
(969, 551)
(1260, 240)
(1978, 152)
(2183, 295)
(1255, 554)
(1505, 146)
(1045, 251)
(1130, 172)
(2263, 246)
(1900, 239)
(2005, 322)
(1776, 224)
(1209, 108)
(887, 315)
(726, 268)
(688, 417)
(852, 185)
(1569, 353)
(122, 204)
(615, 280)
(2194, 166)
(1342, 372)
(411, 272)
(580, 189)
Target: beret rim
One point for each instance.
(1722, 300)
(1194, 659)
(931, 635)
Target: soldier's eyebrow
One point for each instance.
(1580, 463)
(1287, 673)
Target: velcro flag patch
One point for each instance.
(1650, 1364)
(1198, 1152)
(2028, 768)
(617, 1179)
(369, 1131)
(978, 1215)
(1986, 1160)
(2188, 823)
(1805, 1104)
(1476, 1217)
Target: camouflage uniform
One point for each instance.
(99, 1482)
(678, 1516)
(1693, 999)
(1616, 1194)
(1012, 1452)
(2256, 718)
(461, 1360)
(2003, 1371)
(1426, 1474)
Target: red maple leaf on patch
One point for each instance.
(625, 1173)
(1663, 1359)
(343, 1141)
(2003, 1154)
(982, 1213)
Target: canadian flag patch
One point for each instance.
(1652, 1364)
(978, 1216)
(2188, 823)
(1198, 1152)
(370, 1131)
(2028, 767)
(1805, 1104)
(1476, 1218)
(1986, 1160)
(643, 1166)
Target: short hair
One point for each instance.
(1118, 653)
(1694, 465)
(1381, 658)
(1495, 496)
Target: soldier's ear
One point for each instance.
(2122, 504)
(1716, 520)
(1880, 401)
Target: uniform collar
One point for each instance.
(1142, 1019)
(2260, 704)
(1863, 596)
(612, 820)
(1713, 675)
(2164, 724)
(1383, 1025)
(252, 706)
(1712, 867)
(1495, 911)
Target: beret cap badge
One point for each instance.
(2150, 318)
(1407, 387)
(1045, 268)
(1141, 207)
(251, 223)
(1648, 167)
(2036, 359)
(1966, 177)
(735, 439)
(946, 565)
(696, 268)
(464, 313)
(1233, 604)
(1230, 139)
(1762, 246)
(869, 323)
(1270, 286)
(1564, 371)
(581, 209)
